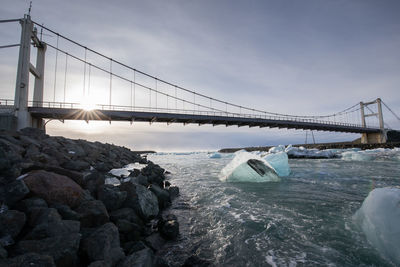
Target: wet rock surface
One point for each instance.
(57, 208)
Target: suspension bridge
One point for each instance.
(129, 94)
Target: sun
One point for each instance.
(88, 104)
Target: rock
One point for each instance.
(173, 192)
(169, 227)
(66, 212)
(54, 188)
(129, 231)
(92, 213)
(162, 195)
(34, 133)
(6, 241)
(52, 229)
(195, 261)
(103, 245)
(29, 259)
(92, 181)
(14, 192)
(142, 200)
(111, 196)
(62, 248)
(141, 258)
(155, 241)
(76, 165)
(99, 264)
(140, 179)
(39, 215)
(126, 214)
(29, 203)
(11, 223)
(3, 253)
(133, 246)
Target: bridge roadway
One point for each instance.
(142, 116)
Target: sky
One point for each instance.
(310, 57)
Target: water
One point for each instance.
(303, 220)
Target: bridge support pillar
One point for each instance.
(373, 138)
(28, 34)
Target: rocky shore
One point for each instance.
(58, 208)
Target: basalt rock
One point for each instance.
(169, 227)
(92, 213)
(141, 258)
(126, 214)
(11, 223)
(163, 197)
(29, 259)
(13, 192)
(66, 212)
(142, 200)
(54, 188)
(63, 248)
(111, 196)
(103, 245)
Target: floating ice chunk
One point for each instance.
(379, 218)
(358, 156)
(122, 172)
(135, 165)
(113, 181)
(301, 152)
(277, 149)
(280, 162)
(247, 167)
(215, 156)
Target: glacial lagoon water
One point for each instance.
(305, 219)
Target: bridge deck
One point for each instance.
(114, 115)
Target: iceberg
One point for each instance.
(277, 149)
(215, 156)
(122, 172)
(247, 167)
(280, 162)
(302, 152)
(112, 181)
(379, 219)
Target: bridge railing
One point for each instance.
(107, 107)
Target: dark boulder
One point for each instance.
(92, 213)
(141, 258)
(126, 214)
(3, 253)
(142, 200)
(111, 196)
(11, 223)
(169, 227)
(133, 246)
(26, 205)
(39, 215)
(128, 231)
(155, 241)
(76, 165)
(195, 261)
(54, 188)
(103, 245)
(52, 229)
(62, 248)
(14, 192)
(163, 197)
(29, 259)
(92, 181)
(66, 212)
(173, 192)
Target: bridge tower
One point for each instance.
(370, 138)
(25, 67)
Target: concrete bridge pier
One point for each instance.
(373, 138)
(28, 34)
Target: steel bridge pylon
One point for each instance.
(25, 67)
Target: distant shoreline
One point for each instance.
(340, 145)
